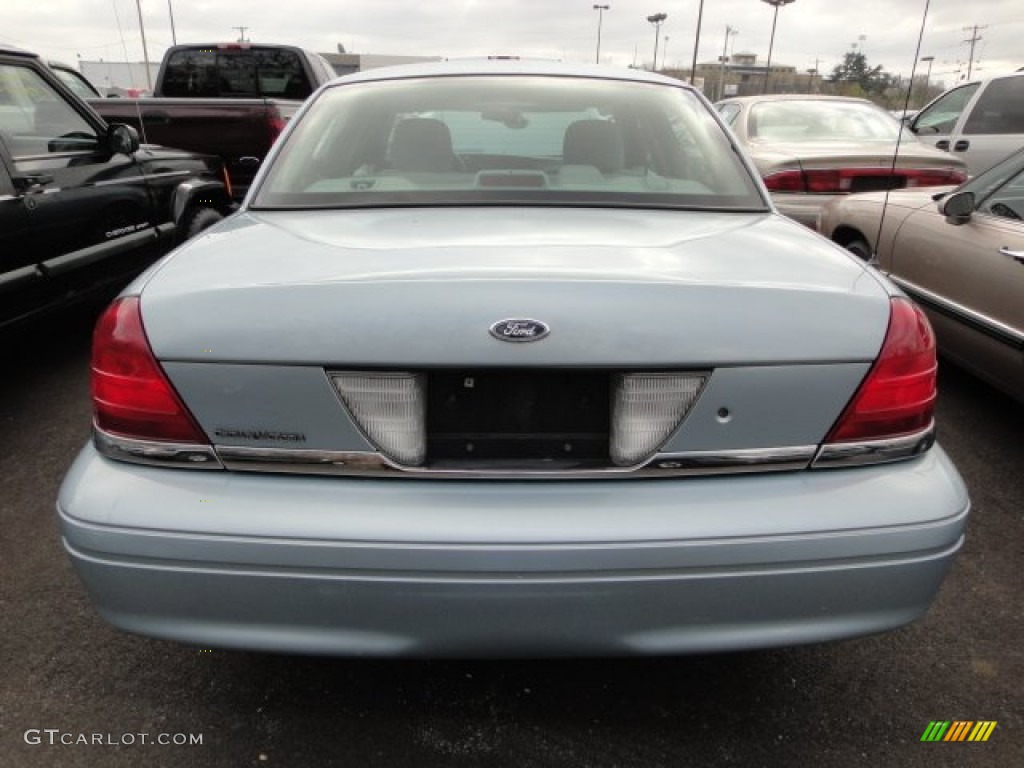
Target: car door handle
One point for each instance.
(942, 144)
(1016, 255)
(961, 146)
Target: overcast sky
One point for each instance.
(808, 30)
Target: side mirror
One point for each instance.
(123, 139)
(957, 208)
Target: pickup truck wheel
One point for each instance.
(197, 220)
(859, 248)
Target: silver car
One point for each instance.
(505, 359)
(812, 149)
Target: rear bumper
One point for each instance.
(504, 568)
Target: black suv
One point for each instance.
(82, 206)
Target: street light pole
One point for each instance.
(927, 77)
(600, 15)
(174, 36)
(696, 42)
(145, 51)
(656, 19)
(771, 44)
(725, 57)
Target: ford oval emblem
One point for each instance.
(519, 329)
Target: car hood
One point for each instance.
(422, 286)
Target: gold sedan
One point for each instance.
(959, 252)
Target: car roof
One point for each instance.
(508, 66)
(1017, 73)
(232, 45)
(12, 50)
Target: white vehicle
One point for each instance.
(980, 122)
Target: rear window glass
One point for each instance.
(497, 139)
(236, 72)
(803, 120)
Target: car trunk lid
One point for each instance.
(422, 287)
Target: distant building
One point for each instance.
(742, 75)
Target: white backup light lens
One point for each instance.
(391, 409)
(647, 409)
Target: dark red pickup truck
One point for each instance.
(226, 99)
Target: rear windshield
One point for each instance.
(236, 73)
(508, 139)
(808, 120)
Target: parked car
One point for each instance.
(225, 99)
(810, 149)
(82, 206)
(507, 358)
(960, 254)
(981, 122)
(75, 80)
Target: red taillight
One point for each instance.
(898, 395)
(785, 181)
(929, 178)
(275, 124)
(131, 396)
(841, 181)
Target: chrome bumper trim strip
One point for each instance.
(156, 454)
(370, 464)
(875, 451)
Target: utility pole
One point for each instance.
(241, 34)
(974, 38)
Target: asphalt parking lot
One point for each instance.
(66, 675)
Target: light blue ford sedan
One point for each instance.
(510, 359)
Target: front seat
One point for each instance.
(422, 144)
(594, 142)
